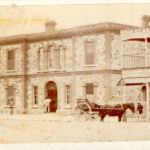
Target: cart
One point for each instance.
(86, 111)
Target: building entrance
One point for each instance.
(51, 93)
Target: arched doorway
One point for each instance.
(51, 92)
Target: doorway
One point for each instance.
(51, 92)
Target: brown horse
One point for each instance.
(139, 108)
(116, 110)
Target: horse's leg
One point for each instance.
(119, 118)
(102, 117)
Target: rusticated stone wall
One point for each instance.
(17, 83)
(18, 59)
(116, 51)
(99, 50)
(33, 49)
(98, 97)
(107, 57)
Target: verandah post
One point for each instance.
(124, 99)
(147, 101)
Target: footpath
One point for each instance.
(36, 117)
(54, 117)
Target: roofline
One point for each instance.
(80, 30)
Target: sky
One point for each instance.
(31, 19)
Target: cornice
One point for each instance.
(62, 74)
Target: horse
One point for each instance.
(117, 110)
(139, 108)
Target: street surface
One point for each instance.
(51, 128)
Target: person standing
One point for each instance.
(11, 104)
(47, 104)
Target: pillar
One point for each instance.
(124, 100)
(147, 101)
(73, 86)
(95, 92)
(146, 51)
(124, 93)
(24, 66)
(121, 54)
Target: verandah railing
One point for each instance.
(136, 61)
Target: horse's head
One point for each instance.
(129, 106)
(139, 108)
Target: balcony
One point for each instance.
(135, 48)
(136, 60)
(136, 65)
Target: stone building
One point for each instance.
(135, 56)
(81, 62)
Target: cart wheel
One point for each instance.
(82, 111)
(94, 117)
(78, 114)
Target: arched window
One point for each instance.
(45, 59)
(39, 60)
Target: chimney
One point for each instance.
(146, 21)
(50, 26)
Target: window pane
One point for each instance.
(89, 53)
(11, 60)
(39, 59)
(89, 88)
(10, 91)
(45, 59)
(10, 55)
(68, 98)
(10, 94)
(35, 88)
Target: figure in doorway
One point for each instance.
(47, 102)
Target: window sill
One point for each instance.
(10, 71)
(35, 106)
(93, 65)
(51, 70)
(67, 107)
(7, 106)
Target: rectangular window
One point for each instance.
(10, 94)
(68, 95)
(89, 89)
(89, 48)
(11, 60)
(35, 95)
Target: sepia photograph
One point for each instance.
(74, 73)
